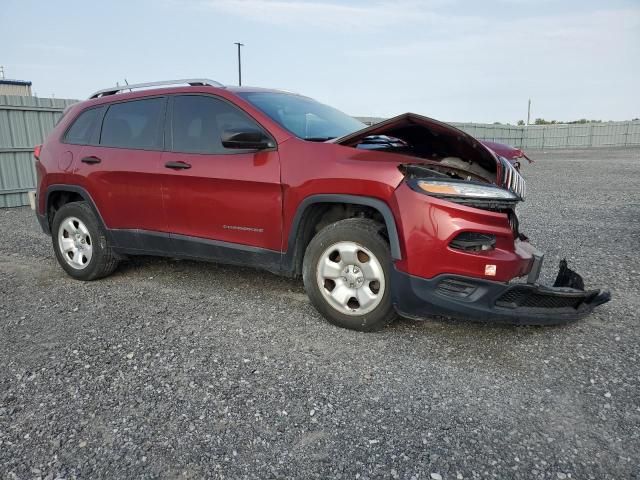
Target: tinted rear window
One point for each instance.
(83, 128)
(135, 124)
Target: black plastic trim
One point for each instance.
(379, 205)
(75, 189)
(44, 223)
(534, 273)
(144, 242)
(417, 298)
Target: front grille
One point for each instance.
(528, 298)
(512, 180)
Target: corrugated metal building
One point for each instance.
(15, 87)
(24, 122)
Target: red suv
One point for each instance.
(408, 216)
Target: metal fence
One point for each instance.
(579, 135)
(24, 123)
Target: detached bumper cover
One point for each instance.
(489, 301)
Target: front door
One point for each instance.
(218, 201)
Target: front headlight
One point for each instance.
(445, 188)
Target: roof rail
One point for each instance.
(190, 81)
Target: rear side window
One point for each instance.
(83, 127)
(198, 121)
(135, 124)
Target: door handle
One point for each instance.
(177, 165)
(91, 160)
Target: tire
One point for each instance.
(341, 266)
(80, 243)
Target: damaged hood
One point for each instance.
(428, 141)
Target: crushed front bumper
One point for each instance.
(489, 301)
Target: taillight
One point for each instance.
(36, 151)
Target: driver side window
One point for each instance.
(198, 121)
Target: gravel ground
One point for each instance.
(174, 369)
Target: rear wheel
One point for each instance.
(80, 243)
(346, 274)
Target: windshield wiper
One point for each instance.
(318, 139)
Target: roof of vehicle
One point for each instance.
(243, 89)
(177, 85)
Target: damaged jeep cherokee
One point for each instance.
(410, 216)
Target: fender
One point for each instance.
(379, 205)
(75, 189)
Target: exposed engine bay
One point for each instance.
(444, 162)
(446, 148)
(436, 149)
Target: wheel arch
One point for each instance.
(295, 251)
(73, 193)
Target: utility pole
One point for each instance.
(239, 63)
(529, 112)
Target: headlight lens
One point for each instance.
(443, 188)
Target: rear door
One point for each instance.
(123, 167)
(221, 194)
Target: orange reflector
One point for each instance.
(36, 151)
(490, 270)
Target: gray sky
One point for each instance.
(453, 60)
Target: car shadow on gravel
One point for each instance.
(200, 275)
(466, 325)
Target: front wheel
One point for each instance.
(346, 273)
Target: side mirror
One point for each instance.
(246, 139)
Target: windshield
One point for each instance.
(302, 116)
